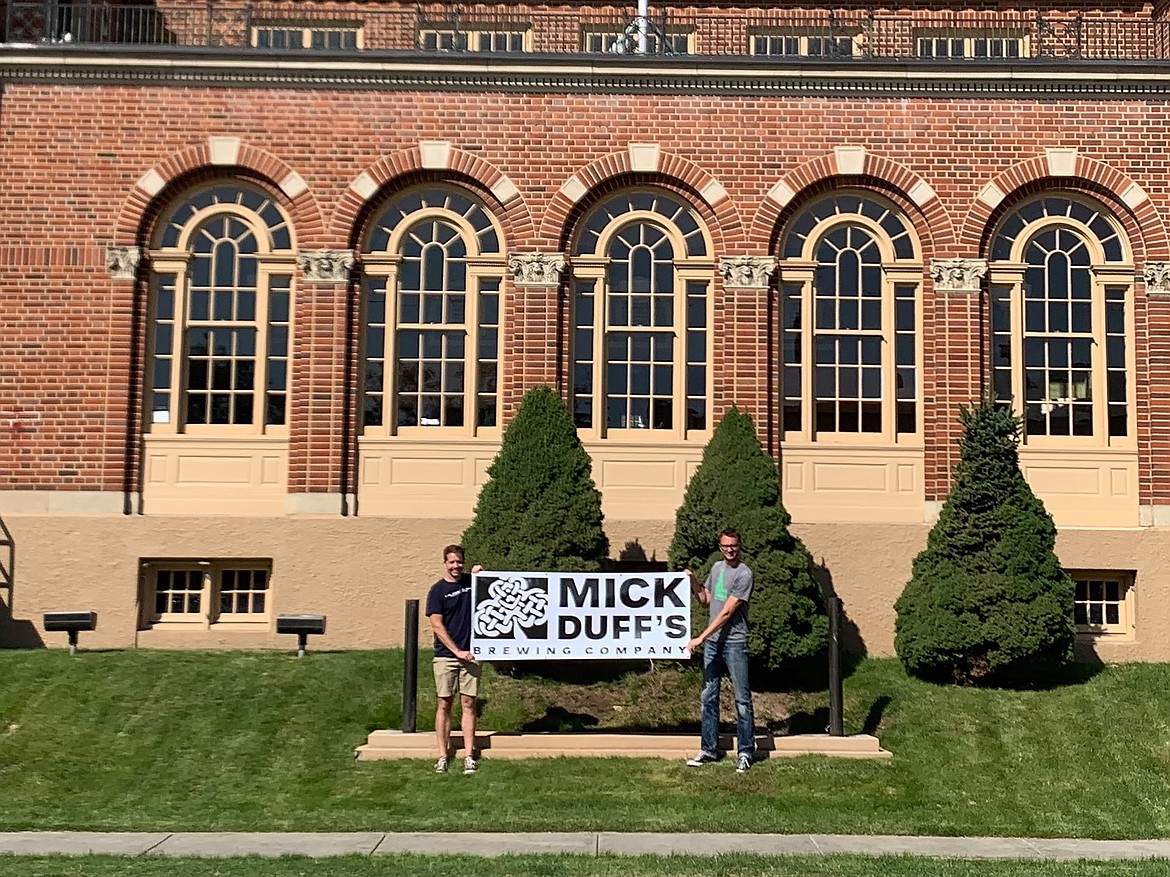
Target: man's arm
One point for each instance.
(717, 622)
(444, 637)
(698, 589)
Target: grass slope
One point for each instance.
(146, 740)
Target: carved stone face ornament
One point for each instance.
(326, 266)
(536, 269)
(958, 275)
(747, 272)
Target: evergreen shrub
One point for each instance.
(737, 485)
(987, 602)
(540, 509)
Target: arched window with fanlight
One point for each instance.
(850, 281)
(433, 265)
(222, 261)
(1061, 313)
(641, 319)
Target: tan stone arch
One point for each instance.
(216, 157)
(436, 157)
(846, 165)
(1069, 170)
(642, 162)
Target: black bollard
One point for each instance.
(410, 669)
(836, 693)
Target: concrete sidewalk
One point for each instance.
(586, 843)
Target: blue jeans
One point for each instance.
(731, 658)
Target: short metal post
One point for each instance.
(836, 693)
(302, 644)
(410, 669)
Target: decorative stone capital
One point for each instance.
(123, 262)
(746, 272)
(326, 266)
(1157, 275)
(537, 269)
(958, 275)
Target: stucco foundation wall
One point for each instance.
(356, 571)
(359, 571)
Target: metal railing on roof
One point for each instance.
(828, 35)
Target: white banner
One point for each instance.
(527, 616)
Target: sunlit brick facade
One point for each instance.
(274, 279)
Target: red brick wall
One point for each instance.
(67, 191)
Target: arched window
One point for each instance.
(434, 266)
(641, 317)
(221, 303)
(850, 280)
(1061, 287)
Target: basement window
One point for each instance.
(205, 592)
(1103, 603)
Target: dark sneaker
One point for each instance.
(469, 766)
(744, 764)
(441, 765)
(701, 759)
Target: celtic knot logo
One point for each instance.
(512, 606)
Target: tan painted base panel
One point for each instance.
(387, 745)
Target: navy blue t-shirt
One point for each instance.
(452, 600)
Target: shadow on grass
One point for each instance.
(558, 718)
(873, 718)
(1043, 676)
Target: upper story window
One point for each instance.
(640, 317)
(975, 43)
(850, 279)
(480, 38)
(803, 43)
(434, 267)
(638, 38)
(307, 35)
(1061, 322)
(221, 311)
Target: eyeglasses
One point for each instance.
(729, 547)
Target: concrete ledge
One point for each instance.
(895, 845)
(490, 843)
(622, 844)
(586, 843)
(64, 502)
(79, 843)
(268, 844)
(389, 745)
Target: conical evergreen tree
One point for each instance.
(540, 509)
(737, 485)
(987, 601)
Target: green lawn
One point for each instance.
(146, 740)
(569, 866)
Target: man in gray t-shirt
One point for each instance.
(726, 592)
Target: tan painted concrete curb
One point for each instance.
(387, 745)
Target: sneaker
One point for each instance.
(441, 764)
(744, 764)
(701, 759)
(469, 766)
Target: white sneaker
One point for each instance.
(469, 766)
(744, 764)
(441, 764)
(701, 759)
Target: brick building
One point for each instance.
(273, 278)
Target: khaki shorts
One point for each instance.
(451, 673)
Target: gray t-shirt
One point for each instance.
(724, 581)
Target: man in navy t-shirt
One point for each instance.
(449, 610)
